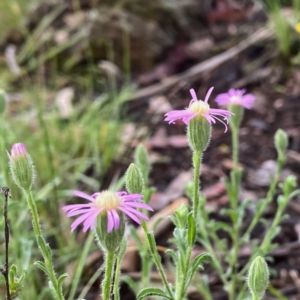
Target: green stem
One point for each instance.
(157, 261)
(181, 291)
(235, 147)
(268, 199)
(107, 282)
(57, 292)
(146, 269)
(197, 155)
(122, 250)
(234, 202)
(80, 266)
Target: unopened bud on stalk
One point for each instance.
(141, 159)
(134, 179)
(258, 278)
(21, 166)
(281, 141)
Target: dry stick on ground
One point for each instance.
(209, 64)
(4, 270)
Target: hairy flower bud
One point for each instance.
(199, 134)
(142, 161)
(258, 277)
(281, 141)
(21, 166)
(134, 179)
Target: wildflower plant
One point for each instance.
(195, 225)
(106, 213)
(23, 174)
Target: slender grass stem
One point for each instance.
(84, 253)
(5, 168)
(157, 261)
(268, 199)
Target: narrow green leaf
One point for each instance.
(201, 258)
(152, 243)
(152, 292)
(172, 253)
(42, 266)
(61, 278)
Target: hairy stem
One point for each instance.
(109, 269)
(58, 295)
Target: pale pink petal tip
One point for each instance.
(17, 150)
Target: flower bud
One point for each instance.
(134, 179)
(142, 161)
(109, 241)
(3, 101)
(258, 277)
(21, 166)
(281, 141)
(199, 134)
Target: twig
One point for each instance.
(211, 63)
(4, 270)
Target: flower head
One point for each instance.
(112, 204)
(21, 166)
(236, 97)
(199, 109)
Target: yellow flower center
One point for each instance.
(108, 200)
(298, 27)
(199, 108)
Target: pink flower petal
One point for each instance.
(83, 195)
(130, 215)
(110, 221)
(89, 222)
(116, 218)
(76, 206)
(208, 94)
(139, 205)
(136, 212)
(193, 94)
(80, 220)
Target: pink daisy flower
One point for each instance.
(106, 202)
(199, 108)
(236, 97)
